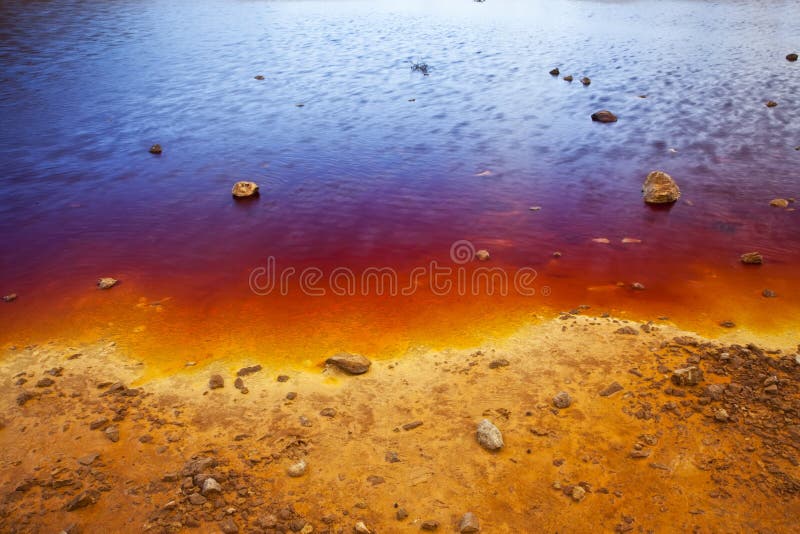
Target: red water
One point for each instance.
(361, 177)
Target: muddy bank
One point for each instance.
(86, 441)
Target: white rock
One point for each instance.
(489, 436)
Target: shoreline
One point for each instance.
(651, 456)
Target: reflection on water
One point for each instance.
(384, 166)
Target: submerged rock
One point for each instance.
(771, 103)
(791, 57)
(660, 188)
(604, 116)
(562, 400)
(244, 189)
(259, 77)
(10, 297)
(489, 436)
(555, 72)
(752, 258)
(107, 283)
(354, 364)
(469, 523)
(568, 78)
(586, 80)
(779, 203)
(155, 149)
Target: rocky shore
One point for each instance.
(578, 423)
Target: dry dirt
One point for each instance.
(654, 456)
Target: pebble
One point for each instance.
(586, 80)
(244, 189)
(771, 103)
(578, 493)
(328, 412)
(727, 324)
(637, 286)
(211, 486)
(753, 258)
(688, 376)
(489, 436)
(604, 116)
(779, 203)
(610, 389)
(430, 524)
(791, 57)
(88, 459)
(482, 255)
(155, 149)
(562, 400)
(259, 76)
(401, 514)
(412, 425)
(197, 499)
(568, 78)
(297, 469)
(354, 364)
(502, 362)
(768, 293)
(106, 283)
(45, 382)
(112, 433)
(721, 415)
(10, 297)
(469, 523)
(283, 378)
(228, 526)
(82, 500)
(555, 72)
(216, 382)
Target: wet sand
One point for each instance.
(651, 457)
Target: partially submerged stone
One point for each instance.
(244, 189)
(555, 72)
(779, 203)
(482, 255)
(155, 149)
(568, 78)
(604, 116)
(660, 188)
(354, 364)
(586, 80)
(771, 103)
(752, 258)
(10, 297)
(489, 436)
(107, 283)
(791, 57)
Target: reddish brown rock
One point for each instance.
(244, 189)
(660, 188)
(604, 116)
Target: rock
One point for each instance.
(82, 500)
(469, 523)
(354, 364)
(155, 149)
(721, 415)
(610, 389)
(283, 378)
(768, 293)
(244, 371)
(361, 528)
(412, 425)
(10, 297)
(771, 103)
(228, 526)
(639, 454)
(604, 116)
(727, 324)
(259, 77)
(45, 382)
(627, 330)
(429, 524)
(557, 254)
(489, 436)
(586, 80)
(215, 382)
(501, 362)
(328, 412)
(562, 400)
(292, 395)
(297, 469)
(779, 203)
(112, 433)
(210, 487)
(601, 240)
(660, 188)
(568, 78)
(198, 465)
(197, 499)
(106, 283)
(791, 57)
(391, 457)
(688, 376)
(578, 493)
(401, 514)
(555, 72)
(25, 396)
(752, 258)
(244, 189)
(98, 423)
(88, 459)
(375, 480)
(715, 391)
(482, 255)
(638, 286)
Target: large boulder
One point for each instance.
(354, 364)
(660, 188)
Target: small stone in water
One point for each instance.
(568, 78)
(586, 80)
(555, 72)
(106, 283)
(482, 255)
(155, 149)
(752, 258)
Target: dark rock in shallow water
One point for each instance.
(586, 80)
(555, 72)
(155, 149)
(568, 78)
(791, 57)
(604, 116)
(752, 258)
(771, 103)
